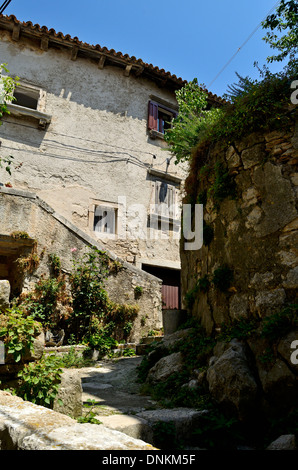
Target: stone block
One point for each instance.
(4, 294)
(253, 156)
(133, 426)
(26, 426)
(70, 393)
(184, 420)
(284, 442)
(270, 301)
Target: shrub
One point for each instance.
(222, 278)
(279, 324)
(48, 302)
(18, 331)
(39, 381)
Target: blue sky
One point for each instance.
(190, 38)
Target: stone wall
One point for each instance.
(25, 212)
(241, 285)
(254, 231)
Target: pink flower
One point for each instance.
(73, 249)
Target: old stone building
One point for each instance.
(87, 128)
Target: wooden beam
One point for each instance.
(101, 62)
(74, 53)
(127, 70)
(44, 43)
(16, 32)
(139, 71)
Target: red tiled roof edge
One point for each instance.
(131, 60)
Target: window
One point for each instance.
(26, 97)
(105, 220)
(164, 202)
(159, 118)
(164, 199)
(30, 103)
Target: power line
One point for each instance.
(4, 5)
(245, 42)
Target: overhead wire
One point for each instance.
(4, 6)
(244, 43)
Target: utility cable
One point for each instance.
(4, 6)
(245, 42)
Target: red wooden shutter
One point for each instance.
(152, 115)
(170, 296)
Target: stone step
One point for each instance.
(145, 425)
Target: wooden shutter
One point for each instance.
(152, 115)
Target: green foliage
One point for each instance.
(7, 86)
(39, 381)
(196, 348)
(129, 352)
(238, 89)
(279, 324)
(6, 162)
(224, 185)
(138, 291)
(48, 302)
(277, 426)
(217, 431)
(165, 435)
(55, 264)
(202, 285)
(90, 416)
(100, 338)
(192, 121)
(284, 19)
(19, 235)
(222, 278)
(87, 288)
(240, 328)
(18, 331)
(72, 359)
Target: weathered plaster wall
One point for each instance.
(255, 233)
(24, 211)
(96, 147)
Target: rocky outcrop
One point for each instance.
(231, 382)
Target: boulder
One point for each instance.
(4, 294)
(284, 442)
(279, 384)
(164, 347)
(165, 367)
(231, 381)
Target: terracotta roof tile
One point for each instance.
(155, 72)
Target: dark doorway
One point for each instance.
(170, 285)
